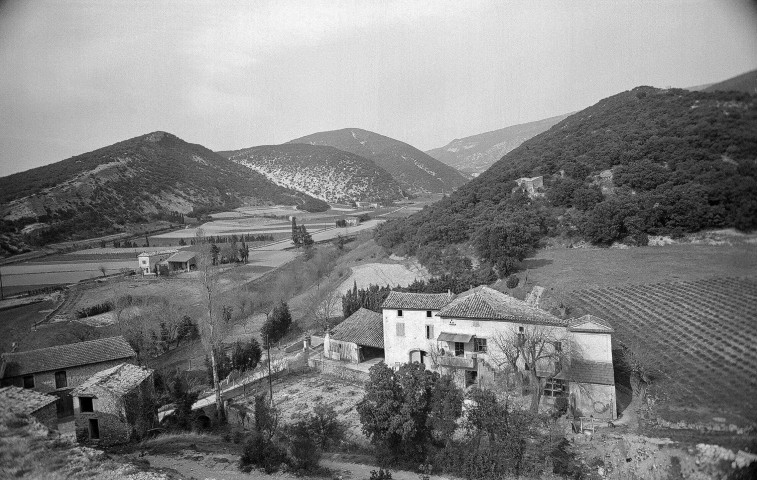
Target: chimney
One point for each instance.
(449, 293)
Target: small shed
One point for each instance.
(591, 389)
(115, 405)
(357, 339)
(182, 262)
(24, 401)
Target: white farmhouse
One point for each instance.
(147, 261)
(456, 335)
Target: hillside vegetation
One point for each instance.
(643, 162)
(154, 176)
(476, 153)
(414, 170)
(320, 171)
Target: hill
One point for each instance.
(476, 153)
(414, 170)
(643, 162)
(154, 176)
(746, 82)
(323, 172)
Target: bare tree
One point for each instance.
(214, 324)
(539, 348)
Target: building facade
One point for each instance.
(460, 336)
(115, 405)
(57, 370)
(147, 262)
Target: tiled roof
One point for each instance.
(119, 380)
(575, 322)
(488, 304)
(417, 301)
(152, 254)
(583, 371)
(66, 356)
(182, 257)
(23, 400)
(364, 327)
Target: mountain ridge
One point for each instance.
(414, 170)
(322, 172)
(146, 177)
(475, 153)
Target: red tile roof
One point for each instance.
(23, 400)
(66, 356)
(364, 327)
(416, 301)
(488, 304)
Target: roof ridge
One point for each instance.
(64, 345)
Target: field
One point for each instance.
(701, 336)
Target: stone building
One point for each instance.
(23, 401)
(358, 338)
(115, 405)
(57, 370)
(456, 335)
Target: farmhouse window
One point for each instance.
(94, 429)
(558, 346)
(554, 388)
(479, 345)
(399, 313)
(29, 381)
(60, 379)
(521, 336)
(428, 313)
(85, 404)
(429, 332)
(400, 329)
(459, 349)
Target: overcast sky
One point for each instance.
(76, 76)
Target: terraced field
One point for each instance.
(702, 334)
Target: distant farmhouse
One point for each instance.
(182, 262)
(455, 335)
(531, 185)
(23, 401)
(366, 205)
(115, 405)
(57, 370)
(148, 261)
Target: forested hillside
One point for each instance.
(414, 170)
(643, 162)
(148, 177)
(324, 172)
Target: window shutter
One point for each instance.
(400, 329)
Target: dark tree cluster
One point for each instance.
(277, 324)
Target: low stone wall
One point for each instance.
(336, 369)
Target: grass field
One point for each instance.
(701, 336)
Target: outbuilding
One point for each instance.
(182, 262)
(23, 401)
(357, 339)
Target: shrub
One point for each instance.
(262, 452)
(94, 310)
(303, 451)
(381, 474)
(324, 426)
(512, 281)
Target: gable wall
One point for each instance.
(595, 347)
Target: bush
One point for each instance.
(324, 426)
(262, 452)
(512, 281)
(94, 310)
(303, 451)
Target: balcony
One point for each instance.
(469, 362)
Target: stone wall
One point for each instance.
(592, 400)
(330, 367)
(119, 417)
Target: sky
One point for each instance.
(79, 75)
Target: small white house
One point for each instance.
(148, 261)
